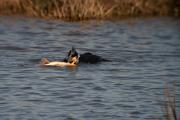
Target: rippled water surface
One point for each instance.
(144, 53)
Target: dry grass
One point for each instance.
(169, 108)
(89, 9)
(86, 9)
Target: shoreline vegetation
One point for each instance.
(77, 10)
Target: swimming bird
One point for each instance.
(86, 57)
(73, 58)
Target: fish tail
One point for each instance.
(44, 61)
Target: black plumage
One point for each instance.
(90, 58)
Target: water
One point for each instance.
(145, 53)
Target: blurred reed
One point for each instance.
(169, 105)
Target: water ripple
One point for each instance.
(143, 55)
